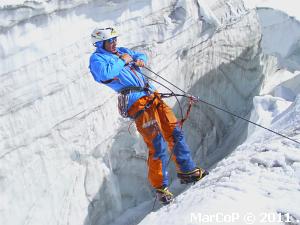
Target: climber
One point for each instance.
(120, 69)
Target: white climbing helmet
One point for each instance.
(102, 34)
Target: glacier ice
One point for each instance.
(66, 155)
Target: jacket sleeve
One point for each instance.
(105, 69)
(135, 55)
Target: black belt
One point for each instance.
(128, 90)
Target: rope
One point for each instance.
(194, 99)
(197, 99)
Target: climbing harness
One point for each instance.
(123, 98)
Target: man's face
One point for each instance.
(110, 45)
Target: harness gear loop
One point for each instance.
(187, 114)
(192, 100)
(123, 98)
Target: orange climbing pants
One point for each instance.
(160, 130)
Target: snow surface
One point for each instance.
(66, 156)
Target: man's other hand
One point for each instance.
(139, 63)
(127, 58)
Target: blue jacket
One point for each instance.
(105, 65)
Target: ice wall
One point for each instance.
(281, 37)
(65, 154)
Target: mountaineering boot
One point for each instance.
(164, 195)
(192, 176)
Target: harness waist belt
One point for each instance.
(128, 90)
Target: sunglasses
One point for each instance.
(111, 40)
